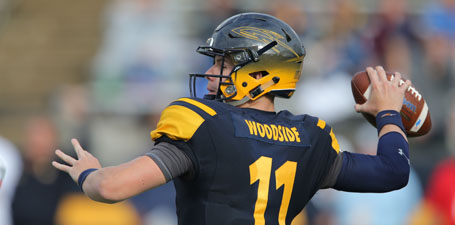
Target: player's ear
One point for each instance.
(257, 75)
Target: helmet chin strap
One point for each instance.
(255, 92)
(238, 102)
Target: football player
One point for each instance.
(232, 157)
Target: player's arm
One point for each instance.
(110, 184)
(389, 169)
(165, 161)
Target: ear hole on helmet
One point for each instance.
(260, 73)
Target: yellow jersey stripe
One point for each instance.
(178, 123)
(321, 124)
(204, 107)
(335, 144)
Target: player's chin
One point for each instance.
(211, 92)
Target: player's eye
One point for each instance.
(218, 63)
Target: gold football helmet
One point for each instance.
(255, 42)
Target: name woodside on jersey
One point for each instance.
(273, 131)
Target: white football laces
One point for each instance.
(410, 88)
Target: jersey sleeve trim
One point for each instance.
(178, 123)
(199, 105)
(335, 144)
(323, 125)
(181, 119)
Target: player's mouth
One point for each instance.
(212, 89)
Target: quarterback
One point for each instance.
(232, 157)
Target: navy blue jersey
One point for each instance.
(251, 167)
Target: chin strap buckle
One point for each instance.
(259, 89)
(256, 91)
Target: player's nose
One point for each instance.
(210, 70)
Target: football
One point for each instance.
(414, 113)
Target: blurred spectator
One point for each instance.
(439, 59)
(293, 13)
(436, 82)
(440, 18)
(78, 209)
(139, 66)
(41, 187)
(157, 206)
(334, 105)
(437, 75)
(137, 71)
(213, 13)
(440, 194)
(334, 53)
(393, 19)
(397, 55)
(13, 166)
(342, 48)
(71, 105)
(344, 35)
(438, 206)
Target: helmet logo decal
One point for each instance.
(210, 42)
(265, 36)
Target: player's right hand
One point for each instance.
(84, 161)
(385, 94)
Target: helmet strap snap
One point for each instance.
(259, 89)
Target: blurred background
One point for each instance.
(102, 71)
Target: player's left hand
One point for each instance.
(84, 161)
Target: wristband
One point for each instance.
(83, 176)
(389, 117)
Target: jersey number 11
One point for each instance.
(261, 171)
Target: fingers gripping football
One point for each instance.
(372, 98)
(384, 94)
(74, 167)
